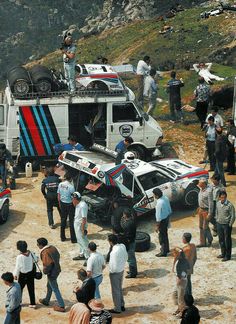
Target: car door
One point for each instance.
(157, 179)
(124, 121)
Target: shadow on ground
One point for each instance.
(15, 218)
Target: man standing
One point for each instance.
(218, 120)
(173, 88)
(13, 299)
(190, 252)
(225, 217)
(87, 290)
(68, 51)
(81, 225)
(95, 266)
(150, 91)
(210, 141)
(121, 148)
(128, 226)
(202, 95)
(143, 69)
(220, 154)
(231, 135)
(205, 210)
(118, 258)
(5, 155)
(49, 188)
(51, 267)
(163, 211)
(217, 187)
(64, 192)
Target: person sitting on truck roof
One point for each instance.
(121, 148)
(73, 145)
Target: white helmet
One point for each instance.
(129, 156)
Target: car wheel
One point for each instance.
(4, 212)
(139, 152)
(191, 195)
(142, 242)
(168, 151)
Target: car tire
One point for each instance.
(139, 152)
(4, 212)
(142, 241)
(191, 195)
(168, 151)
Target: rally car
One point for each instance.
(98, 77)
(101, 181)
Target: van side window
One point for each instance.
(124, 112)
(1, 115)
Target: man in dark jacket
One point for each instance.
(5, 155)
(190, 314)
(87, 290)
(173, 88)
(49, 188)
(220, 154)
(128, 226)
(51, 267)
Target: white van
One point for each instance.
(31, 126)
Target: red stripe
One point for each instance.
(29, 119)
(195, 174)
(113, 173)
(99, 76)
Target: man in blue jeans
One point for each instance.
(51, 267)
(68, 51)
(13, 299)
(128, 225)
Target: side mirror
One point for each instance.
(141, 121)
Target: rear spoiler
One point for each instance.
(99, 148)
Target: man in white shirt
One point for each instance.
(81, 225)
(150, 91)
(95, 266)
(203, 70)
(143, 69)
(118, 259)
(218, 120)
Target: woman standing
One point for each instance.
(24, 270)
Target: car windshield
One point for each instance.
(152, 179)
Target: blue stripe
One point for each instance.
(23, 146)
(26, 135)
(47, 125)
(110, 80)
(44, 137)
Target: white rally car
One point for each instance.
(133, 180)
(99, 77)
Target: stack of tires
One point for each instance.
(38, 79)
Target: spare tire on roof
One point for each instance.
(42, 78)
(142, 241)
(19, 80)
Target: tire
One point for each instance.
(42, 78)
(191, 195)
(4, 212)
(168, 151)
(142, 241)
(19, 80)
(139, 152)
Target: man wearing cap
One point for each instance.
(64, 192)
(163, 211)
(68, 51)
(81, 225)
(95, 266)
(205, 212)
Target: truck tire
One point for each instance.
(19, 80)
(168, 151)
(4, 212)
(42, 78)
(142, 241)
(138, 151)
(191, 195)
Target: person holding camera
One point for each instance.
(68, 49)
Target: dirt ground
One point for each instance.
(149, 296)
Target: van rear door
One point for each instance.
(123, 121)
